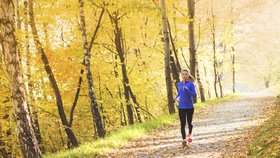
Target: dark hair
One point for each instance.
(191, 78)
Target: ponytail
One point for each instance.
(191, 78)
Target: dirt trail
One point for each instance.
(219, 131)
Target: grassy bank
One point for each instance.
(267, 143)
(119, 137)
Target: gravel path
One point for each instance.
(219, 131)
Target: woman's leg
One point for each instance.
(182, 116)
(189, 119)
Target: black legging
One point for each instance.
(183, 114)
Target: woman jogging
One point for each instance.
(186, 90)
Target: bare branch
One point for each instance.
(96, 29)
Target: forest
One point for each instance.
(73, 71)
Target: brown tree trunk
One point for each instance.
(94, 107)
(120, 50)
(213, 30)
(82, 70)
(122, 111)
(266, 82)
(232, 49)
(18, 27)
(25, 132)
(192, 49)
(124, 122)
(233, 70)
(200, 85)
(174, 71)
(191, 13)
(101, 98)
(220, 75)
(33, 110)
(138, 105)
(51, 77)
(175, 65)
(201, 89)
(220, 84)
(133, 97)
(167, 60)
(208, 83)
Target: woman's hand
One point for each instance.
(176, 99)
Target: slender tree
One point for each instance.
(175, 64)
(33, 110)
(120, 50)
(94, 36)
(51, 78)
(192, 49)
(167, 60)
(94, 106)
(200, 85)
(232, 47)
(215, 64)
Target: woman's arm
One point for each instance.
(178, 95)
(191, 90)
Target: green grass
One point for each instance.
(119, 137)
(267, 143)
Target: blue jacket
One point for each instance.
(185, 93)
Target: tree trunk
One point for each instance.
(220, 84)
(201, 89)
(220, 75)
(52, 80)
(175, 65)
(18, 27)
(232, 49)
(192, 49)
(167, 60)
(122, 111)
(200, 85)
(126, 94)
(173, 38)
(233, 72)
(214, 53)
(33, 109)
(175, 73)
(124, 122)
(25, 132)
(120, 50)
(266, 82)
(101, 98)
(208, 84)
(215, 70)
(133, 97)
(82, 70)
(138, 105)
(94, 107)
(191, 13)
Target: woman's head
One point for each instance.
(186, 76)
